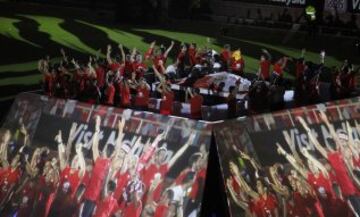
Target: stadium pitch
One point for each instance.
(29, 33)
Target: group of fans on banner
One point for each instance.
(116, 182)
(307, 185)
(120, 81)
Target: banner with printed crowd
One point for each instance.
(66, 158)
(293, 162)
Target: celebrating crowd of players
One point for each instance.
(119, 80)
(309, 186)
(116, 182)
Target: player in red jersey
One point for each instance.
(264, 68)
(101, 168)
(340, 164)
(125, 96)
(70, 173)
(159, 56)
(196, 101)
(158, 164)
(142, 95)
(113, 64)
(225, 55)
(99, 172)
(108, 206)
(131, 205)
(10, 176)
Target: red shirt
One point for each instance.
(320, 182)
(110, 94)
(114, 66)
(107, 207)
(122, 180)
(278, 69)
(157, 60)
(26, 208)
(264, 207)
(166, 103)
(195, 106)
(149, 173)
(161, 211)
(149, 53)
(129, 67)
(303, 205)
(142, 96)
(73, 178)
(265, 69)
(98, 176)
(8, 179)
(139, 69)
(100, 76)
(192, 56)
(9, 176)
(48, 81)
(130, 210)
(225, 56)
(342, 177)
(125, 94)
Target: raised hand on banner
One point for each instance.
(234, 169)
(280, 149)
(58, 138)
(303, 123)
(97, 123)
(244, 156)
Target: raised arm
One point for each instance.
(351, 141)
(108, 55)
(291, 159)
(122, 52)
(119, 139)
(81, 160)
(158, 74)
(95, 140)
(63, 54)
(240, 180)
(276, 185)
(92, 71)
(70, 141)
(323, 151)
(133, 54)
(314, 161)
(253, 162)
(166, 54)
(61, 151)
(234, 196)
(331, 129)
(182, 150)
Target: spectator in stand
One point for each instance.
(142, 95)
(196, 101)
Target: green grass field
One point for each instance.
(27, 36)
